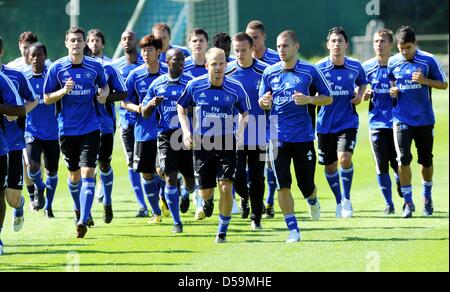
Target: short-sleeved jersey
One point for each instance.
(20, 65)
(162, 57)
(380, 106)
(250, 78)
(292, 123)
(104, 60)
(41, 121)
(16, 130)
(10, 96)
(193, 69)
(343, 80)
(171, 90)
(126, 118)
(107, 111)
(414, 106)
(270, 57)
(138, 83)
(77, 111)
(214, 107)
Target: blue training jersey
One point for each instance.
(126, 118)
(250, 78)
(162, 57)
(41, 122)
(193, 69)
(16, 130)
(214, 107)
(138, 83)
(171, 90)
(292, 123)
(107, 111)
(381, 102)
(77, 111)
(414, 105)
(341, 114)
(270, 57)
(10, 96)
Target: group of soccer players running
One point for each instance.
(194, 121)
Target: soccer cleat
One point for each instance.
(208, 208)
(270, 212)
(142, 213)
(18, 223)
(32, 207)
(90, 222)
(49, 214)
(100, 200)
(314, 211)
(81, 231)
(256, 226)
(347, 209)
(39, 200)
(245, 209)
(428, 208)
(164, 207)
(294, 236)
(184, 205)
(339, 211)
(155, 220)
(235, 209)
(108, 214)
(199, 213)
(408, 210)
(221, 238)
(1, 247)
(77, 216)
(178, 228)
(390, 210)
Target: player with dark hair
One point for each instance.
(286, 90)
(146, 130)
(380, 115)
(337, 124)
(96, 42)
(213, 99)
(162, 31)
(414, 73)
(26, 39)
(77, 84)
(223, 41)
(198, 43)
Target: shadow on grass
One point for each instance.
(363, 239)
(81, 252)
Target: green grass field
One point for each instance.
(367, 242)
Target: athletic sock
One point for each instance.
(135, 179)
(86, 198)
(291, 222)
(173, 200)
(51, 184)
(150, 190)
(384, 181)
(18, 212)
(272, 187)
(75, 189)
(224, 222)
(36, 178)
(427, 190)
(407, 194)
(346, 178)
(107, 179)
(335, 185)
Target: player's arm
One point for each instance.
(103, 94)
(319, 100)
(418, 77)
(185, 126)
(266, 101)
(116, 96)
(11, 110)
(148, 109)
(359, 94)
(53, 97)
(243, 123)
(131, 107)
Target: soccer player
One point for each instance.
(14, 128)
(127, 120)
(286, 90)
(256, 29)
(76, 84)
(26, 39)
(96, 42)
(146, 130)
(198, 43)
(248, 71)
(41, 132)
(12, 105)
(162, 31)
(214, 98)
(223, 41)
(414, 73)
(380, 115)
(169, 88)
(337, 124)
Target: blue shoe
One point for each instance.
(408, 210)
(428, 208)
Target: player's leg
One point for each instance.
(188, 186)
(256, 167)
(205, 165)
(393, 159)
(272, 188)
(424, 138)
(51, 161)
(106, 174)
(3, 174)
(33, 160)
(70, 148)
(14, 187)
(28, 183)
(241, 182)
(135, 177)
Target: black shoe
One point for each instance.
(100, 199)
(245, 209)
(81, 231)
(90, 222)
(49, 214)
(177, 229)
(221, 238)
(39, 200)
(428, 208)
(108, 214)
(184, 205)
(270, 212)
(77, 217)
(390, 210)
(142, 213)
(208, 207)
(408, 210)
